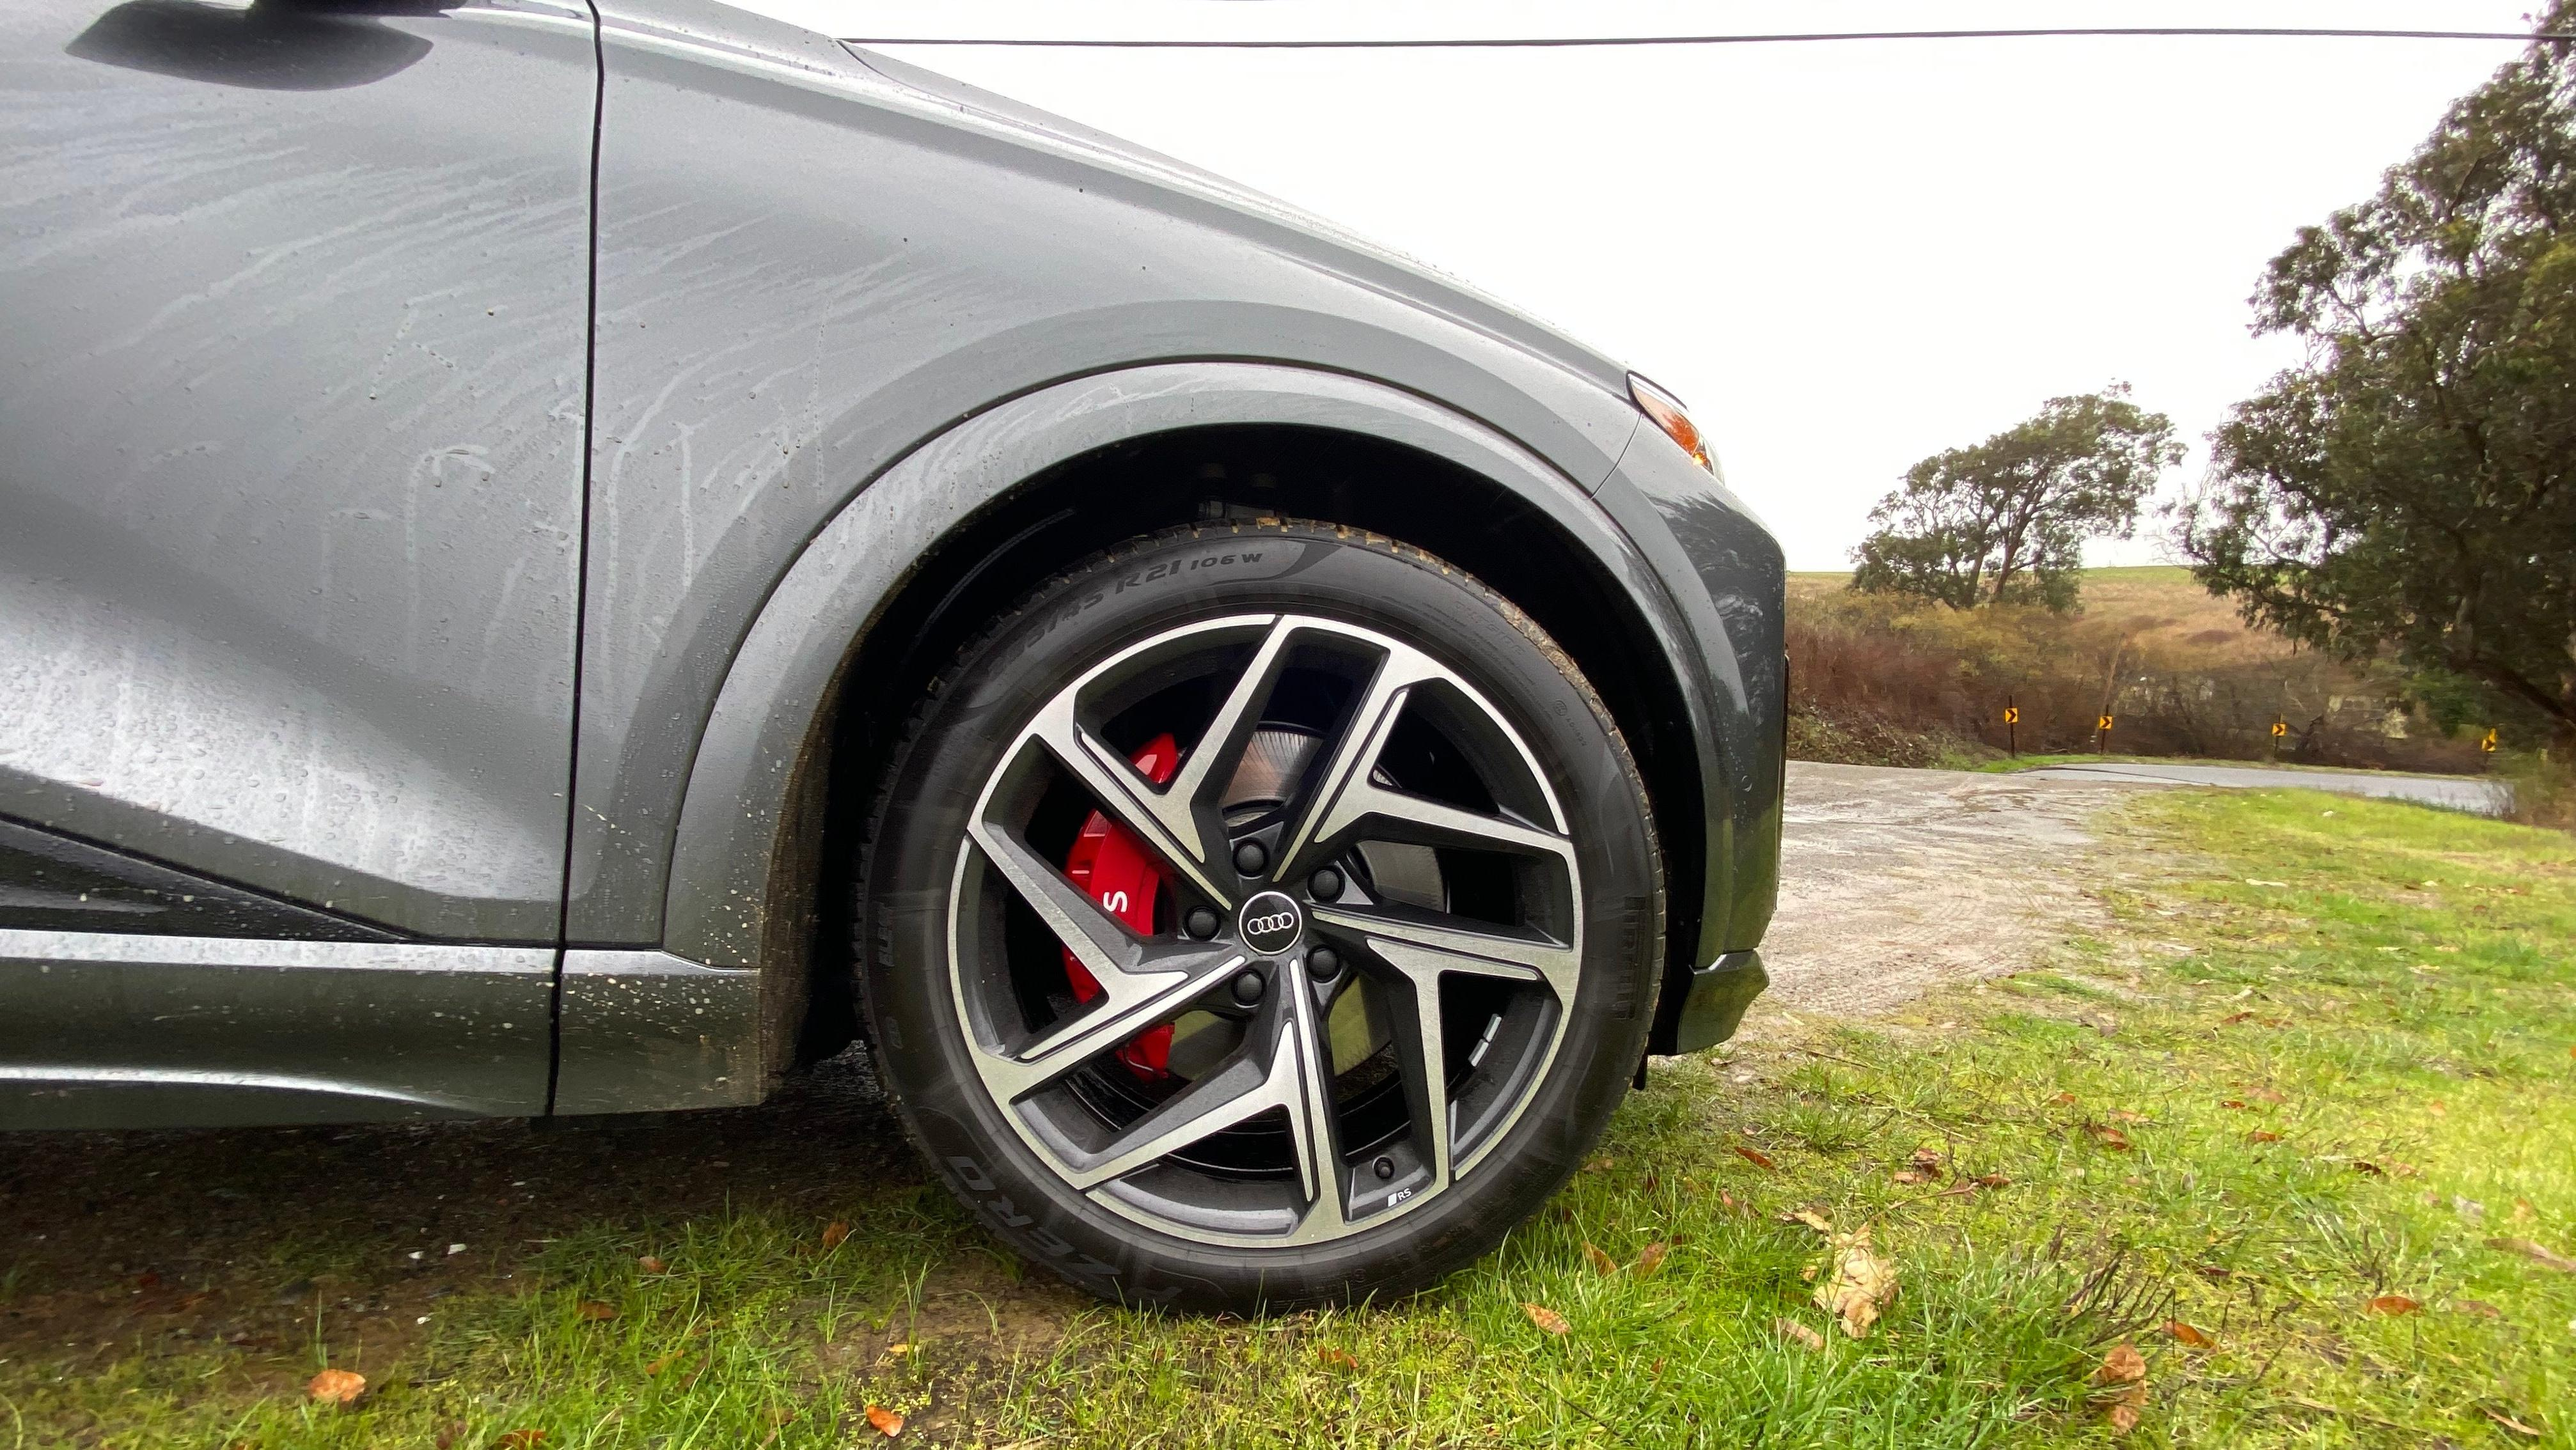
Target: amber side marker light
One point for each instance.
(1667, 413)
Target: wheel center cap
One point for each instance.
(1271, 923)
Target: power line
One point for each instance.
(1595, 41)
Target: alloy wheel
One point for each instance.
(1284, 982)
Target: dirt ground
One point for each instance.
(1897, 880)
(1894, 882)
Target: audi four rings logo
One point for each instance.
(1271, 923)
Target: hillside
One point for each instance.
(1887, 680)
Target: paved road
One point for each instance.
(2458, 792)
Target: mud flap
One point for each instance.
(1712, 1006)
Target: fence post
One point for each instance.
(2012, 727)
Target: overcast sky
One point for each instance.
(1844, 256)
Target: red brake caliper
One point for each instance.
(1110, 863)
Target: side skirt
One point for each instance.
(100, 1030)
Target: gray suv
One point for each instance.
(565, 561)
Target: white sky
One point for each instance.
(1844, 256)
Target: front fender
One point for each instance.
(734, 843)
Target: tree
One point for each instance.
(2005, 520)
(2405, 490)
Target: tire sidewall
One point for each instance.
(1164, 582)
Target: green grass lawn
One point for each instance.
(2300, 1130)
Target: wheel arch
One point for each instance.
(886, 591)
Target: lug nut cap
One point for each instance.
(1248, 987)
(1200, 923)
(1325, 963)
(1326, 884)
(1250, 857)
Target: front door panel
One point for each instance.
(290, 464)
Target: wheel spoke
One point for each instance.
(1141, 982)
(1349, 794)
(1422, 944)
(1247, 1085)
(1120, 792)
(1188, 805)
(1311, 1122)
(1356, 753)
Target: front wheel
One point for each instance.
(1260, 915)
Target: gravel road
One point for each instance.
(1896, 881)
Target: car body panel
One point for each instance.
(297, 495)
(292, 445)
(765, 350)
(741, 781)
(102, 1030)
(1727, 575)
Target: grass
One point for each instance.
(2334, 1035)
(2011, 763)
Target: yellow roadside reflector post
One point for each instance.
(2487, 742)
(2012, 726)
(2102, 736)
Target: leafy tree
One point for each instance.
(2005, 520)
(2407, 488)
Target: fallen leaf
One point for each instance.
(520, 1440)
(2509, 1422)
(2393, 1304)
(1791, 1329)
(1601, 1263)
(1339, 1359)
(662, 1362)
(1726, 1201)
(2125, 1116)
(2538, 1253)
(593, 1309)
(1926, 1161)
(2064, 1100)
(1602, 1164)
(1860, 1285)
(2264, 1095)
(2213, 1271)
(1754, 1156)
(336, 1386)
(1908, 1175)
(1811, 1219)
(651, 1265)
(2523, 1212)
(2233, 1018)
(2121, 1414)
(2478, 1307)
(835, 1234)
(2364, 1165)
(2261, 1136)
(2108, 1136)
(2122, 1366)
(1991, 1180)
(887, 1422)
(2187, 1336)
(2437, 1108)
(1651, 1257)
(1546, 1318)
(2237, 1103)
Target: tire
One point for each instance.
(1259, 1103)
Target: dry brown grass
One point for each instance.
(1883, 680)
